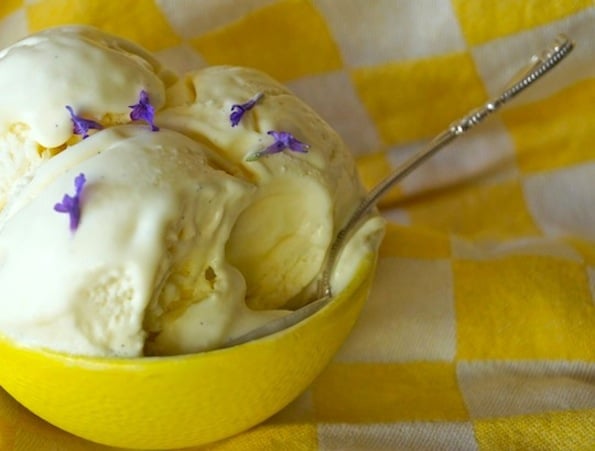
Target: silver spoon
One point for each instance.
(539, 66)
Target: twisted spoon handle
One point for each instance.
(538, 67)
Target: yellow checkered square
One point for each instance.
(375, 393)
(9, 6)
(585, 248)
(7, 435)
(372, 169)
(270, 437)
(409, 242)
(33, 434)
(412, 100)
(8, 420)
(549, 431)
(484, 20)
(539, 151)
(140, 21)
(273, 40)
(523, 307)
(496, 210)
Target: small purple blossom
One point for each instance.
(283, 140)
(144, 111)
(81, 126)
(237, 111)
(72, 205)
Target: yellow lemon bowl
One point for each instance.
(173, 402)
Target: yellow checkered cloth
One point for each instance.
(480, 329)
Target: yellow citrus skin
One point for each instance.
(190, 400)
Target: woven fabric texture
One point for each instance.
(479, 333)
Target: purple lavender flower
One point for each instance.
(237, 111)
(72, 205)
(283, 140)
(81, 126)
(144, 111)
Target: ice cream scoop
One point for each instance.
(300, 193)
(95, 73)
(149, 246)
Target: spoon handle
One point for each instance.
(539, 66)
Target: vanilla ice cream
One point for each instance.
(97, 74)
(150, 244)
(303, 196)
(188, 235)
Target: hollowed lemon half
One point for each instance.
(172, 402)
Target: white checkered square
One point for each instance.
(367, 35)
(13, 27)
(191, 18)
(498, 61)
(561, 202)
(418, 436)
(333, 96)
(489, 250)
(488, 152)
(507, 388)
(397, 215)
(406, 318)
(181, 59)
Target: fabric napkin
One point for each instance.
(480, 329)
